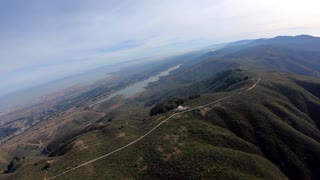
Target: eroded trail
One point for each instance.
(254, 85)
(154, 128)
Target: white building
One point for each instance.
(181, 108)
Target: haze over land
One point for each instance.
(249, 110)
(41, 41)
(179, 89)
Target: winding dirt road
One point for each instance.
(154, 128)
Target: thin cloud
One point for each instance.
(82, 34)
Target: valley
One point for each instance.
(154, 128)
(252, 112)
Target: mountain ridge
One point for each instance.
(253, 114)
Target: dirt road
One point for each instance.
(154, 128)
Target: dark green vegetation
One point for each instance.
(161, 108)
(15, 164)
(165, 107)
(281, 119)
(5, 131)
(267, 131)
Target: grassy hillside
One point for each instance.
(269, 132)
(298, 55)
(251, 116)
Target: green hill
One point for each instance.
(269, 132)
(253, 113)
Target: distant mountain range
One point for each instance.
(299, 55)
(252, 112)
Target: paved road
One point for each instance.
(154, 128)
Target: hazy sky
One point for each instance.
(45, 39)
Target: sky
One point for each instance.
(43, 40)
